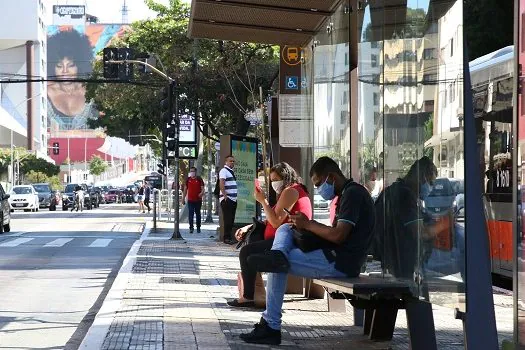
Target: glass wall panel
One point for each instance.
(410, 116)
(332, 94)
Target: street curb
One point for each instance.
(96, 334)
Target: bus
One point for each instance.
(154, 180)
(493, 80)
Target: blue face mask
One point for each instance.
(326, 190)
(425, 190)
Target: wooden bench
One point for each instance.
(380, 299)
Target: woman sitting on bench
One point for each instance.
(292, 195)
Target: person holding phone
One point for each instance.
(292, 196)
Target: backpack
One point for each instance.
(217, 190)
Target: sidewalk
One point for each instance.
(174, 296)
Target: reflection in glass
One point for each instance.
(410, 120)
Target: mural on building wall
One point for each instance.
(71, 51)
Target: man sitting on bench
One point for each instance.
(341, 249)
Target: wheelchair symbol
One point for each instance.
(291, 83)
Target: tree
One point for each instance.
(32, 163)
(97, 166)
(36, 177)
(217, 80)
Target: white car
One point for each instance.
(24, 197)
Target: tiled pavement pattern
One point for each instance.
(176, 299)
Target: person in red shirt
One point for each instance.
(291, 195)
(194, 190)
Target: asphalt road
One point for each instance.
(55, 270)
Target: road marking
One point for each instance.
(16, 242)
(58, 242)
(100, 242)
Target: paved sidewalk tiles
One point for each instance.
(176, 299)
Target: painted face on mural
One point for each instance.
(66, 69)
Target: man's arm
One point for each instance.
(184, 192)
(335, 234)
(222, 187)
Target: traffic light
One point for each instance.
(125, 70)
(166, 104)
(111, 70)
(171, 145)
(56, 148)
(162, 167)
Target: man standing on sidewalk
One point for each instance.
(194, 189)
(228, 197)
(147, 195)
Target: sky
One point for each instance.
(108, 11)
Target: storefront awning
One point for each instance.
(442, 138)
(280, 22)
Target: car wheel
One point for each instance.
(64, 208)
(7, 228)
(1, 225)
(12, 210)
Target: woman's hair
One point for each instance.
(287, 173)
(422, 170)
(73, 45)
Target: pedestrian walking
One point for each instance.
(140, 198)
(228, 198)
(147, 195)
(194, 191)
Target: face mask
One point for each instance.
(425, 190)
(326, 190)
(277, 186)
(192, 174)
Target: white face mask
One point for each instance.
(192, 174)
(277, 186)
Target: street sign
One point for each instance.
(185, 152)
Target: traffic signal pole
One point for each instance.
(109, 58)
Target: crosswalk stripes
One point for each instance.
(16, 242)
(100, 242)
(53, 242)
(59, 242)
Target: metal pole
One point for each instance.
(266, 179)
(176, 232)
(155, 194)
(209, 218)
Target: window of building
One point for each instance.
(429, 78)
(85, 177)
(346, 58)
(451, 47)
(376, 99)
(341, 134)
(429, 54)
(373, 59)
(345, 97)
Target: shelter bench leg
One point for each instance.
(383, 322)
(359, 317)
(421, 330)
(369, 315)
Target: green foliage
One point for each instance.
(35, 177)
(55, 183)
(218, 81)
(97, 166)
(32, 163)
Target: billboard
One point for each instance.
(244, 150)
(69, 14)
(71, 51)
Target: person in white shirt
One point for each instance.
(79, 199)
(228, 198)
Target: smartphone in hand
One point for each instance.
(258, 186)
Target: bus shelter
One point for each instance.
(390, 93)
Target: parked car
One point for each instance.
(45, 194)
(440, 206)
(93, 196)
(5, 212)
(112, 196)
(24, 197)
(320, 202)
(68, 197)
(100, 194)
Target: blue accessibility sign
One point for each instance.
(292, 82)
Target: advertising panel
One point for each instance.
(69, 14)
(71, 51)
(188, 131)
(245, 152)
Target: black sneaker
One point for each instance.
(269, 261)
(262, 334)
(191, 230)
(198, 230)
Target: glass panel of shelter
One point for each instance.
(410, 112)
